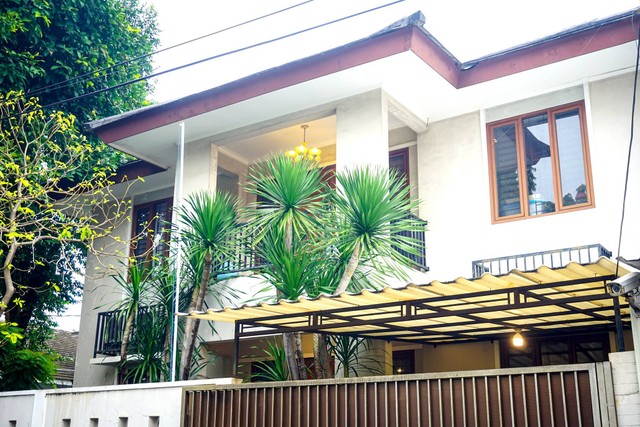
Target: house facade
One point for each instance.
(519, 160)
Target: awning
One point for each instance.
(540, 302)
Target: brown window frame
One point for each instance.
(536, 343)
(517, 121)
(153, 205)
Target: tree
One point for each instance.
(46, 191)
(208, 224)
(22, 368)
(48, 44)
(292, 195)
(318, 241)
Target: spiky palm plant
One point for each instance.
(291, 200)
(134, 286)
(373, 210)
(209, 223)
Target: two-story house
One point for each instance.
(519, 160)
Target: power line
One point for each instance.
(91, 74)
(139, 79)
(626, 178)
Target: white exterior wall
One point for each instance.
(99, 294)
(453, 175)
(362, 131)
(625, 387)
(108, 405)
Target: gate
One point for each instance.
(568, 395)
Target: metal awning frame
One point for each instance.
(466, 306)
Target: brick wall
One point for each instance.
(625, 386)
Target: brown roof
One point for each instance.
(65, 343)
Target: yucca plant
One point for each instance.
(373, 208)
(274, 368)
(291, 200)
(209, 223)
(134, 285)
(347, 352)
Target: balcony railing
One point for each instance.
(531, 261)
(419, 259)
(111, 326)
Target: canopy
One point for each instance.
(490, 307)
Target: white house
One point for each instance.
(557, 111)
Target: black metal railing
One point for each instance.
(531, 261)
(245, 254)
(110, 329)
(418, 259)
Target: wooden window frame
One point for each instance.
(517, 121)
(572, 341)
(153, 213)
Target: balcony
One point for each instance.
(110, 330)
(111, 324)
(531, 261)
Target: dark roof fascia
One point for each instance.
(573, 42)
(409, 35)
(385, 44)
(136, 169)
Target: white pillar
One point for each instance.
(362, 131)
(202, 170)
(635, 331)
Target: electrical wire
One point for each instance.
(626, 178)
(200, 61)
(91, 74)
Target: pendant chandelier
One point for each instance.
(302, 151)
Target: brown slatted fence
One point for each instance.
(572, 395)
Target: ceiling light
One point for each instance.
(518, 340)
(302, 151)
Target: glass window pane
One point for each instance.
(539, 166)
(590, 352)
(571, 158)
(519, 357)
(554, 353)
(506, 165)
(161, 228)
(141, 231)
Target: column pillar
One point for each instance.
(362, 131)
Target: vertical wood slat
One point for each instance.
(551, 396)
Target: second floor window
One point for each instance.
(150, 229)
(539, 163)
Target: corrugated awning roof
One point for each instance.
(539, 302)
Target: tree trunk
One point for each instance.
(321, 357)
(292, 340)
(192, 325)
(126, 335)
(348, 272)
(9, 288)
(289, 352)
(299, 356)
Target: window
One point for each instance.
(539, 163)
(556, 351)
(150, 229)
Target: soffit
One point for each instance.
(540, 302)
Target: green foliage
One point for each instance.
(274, 368)
(149, 363)
(373, 206)
(348, 354)
(44, 43)
(42, 160)
(23, 368)
(209, 225)
(291, 194)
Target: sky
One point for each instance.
(469, 29)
